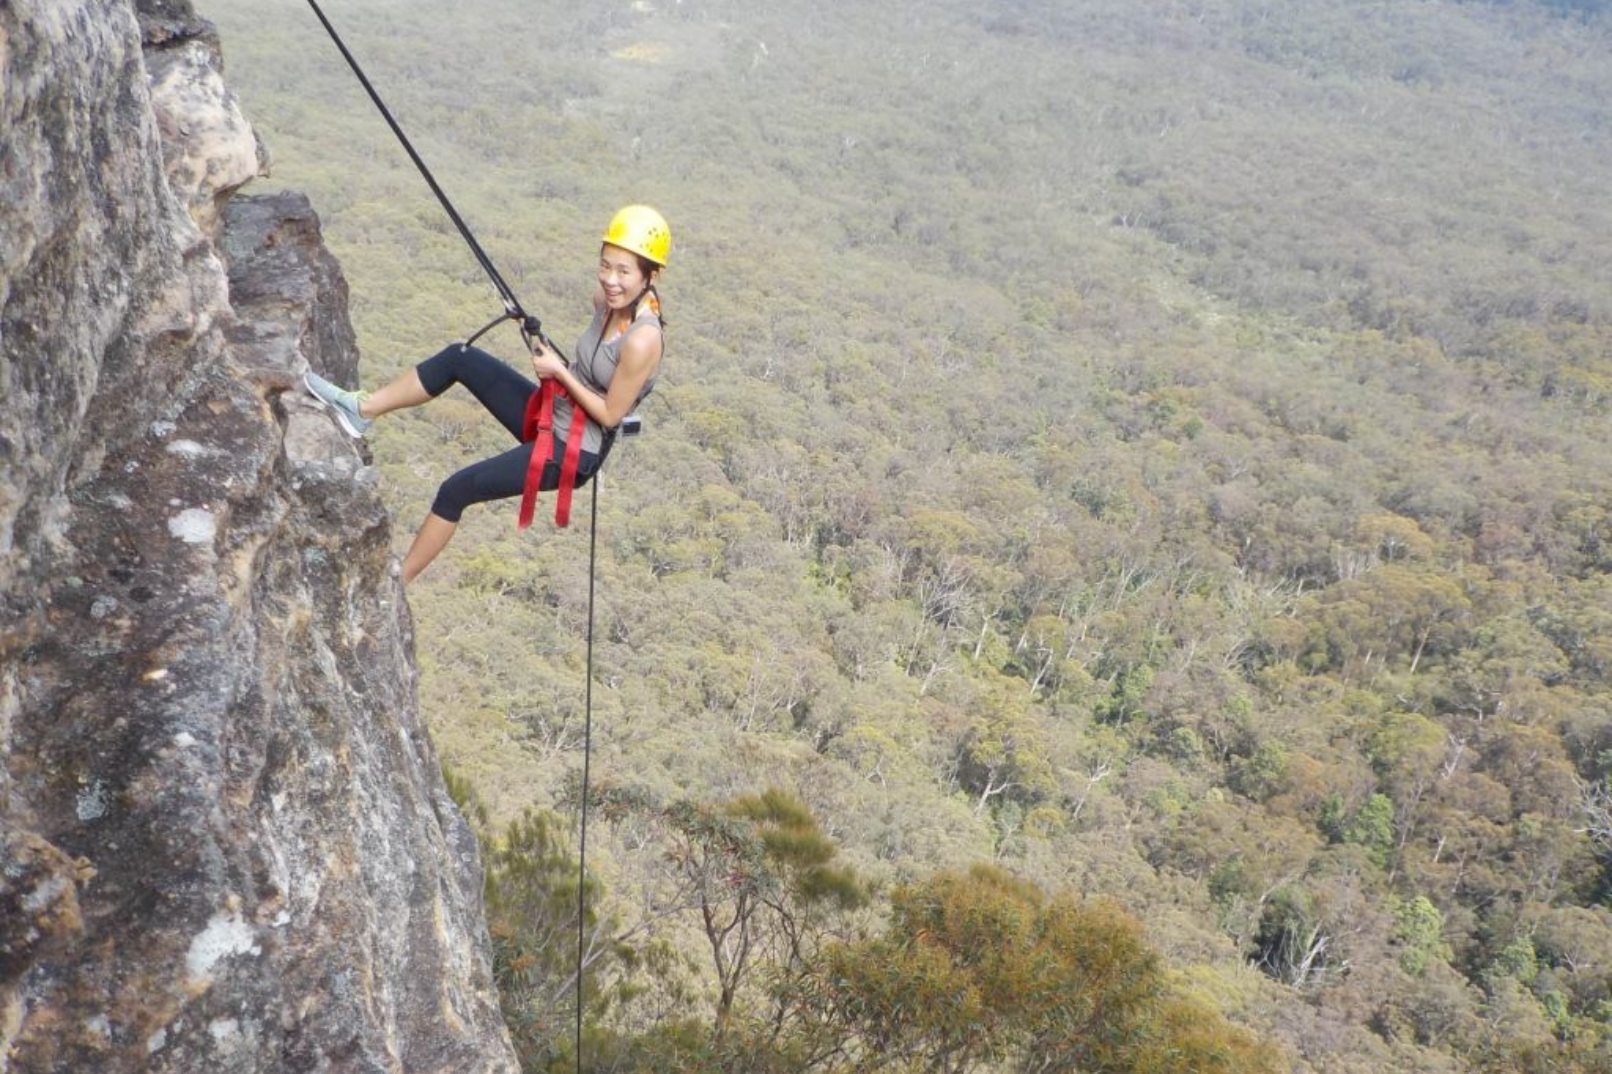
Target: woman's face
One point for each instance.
(620, 277)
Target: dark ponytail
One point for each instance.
(648, 268)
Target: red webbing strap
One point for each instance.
(539, 427)
(568, 467)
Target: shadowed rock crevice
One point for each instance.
(227, 845)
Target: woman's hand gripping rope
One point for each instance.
(546, 361)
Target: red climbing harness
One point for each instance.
(539, 426)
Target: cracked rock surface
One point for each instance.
(225, 844)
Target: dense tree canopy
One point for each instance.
(1157, 449)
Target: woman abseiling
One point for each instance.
(616, 362)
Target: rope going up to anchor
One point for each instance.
(530, 328)
(512, 305)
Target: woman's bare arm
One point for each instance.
(640, 356)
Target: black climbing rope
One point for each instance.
(587, 754)
(530, 328)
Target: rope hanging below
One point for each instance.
(587, 755)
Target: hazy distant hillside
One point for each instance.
(1159, 448)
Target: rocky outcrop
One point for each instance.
(225, 844)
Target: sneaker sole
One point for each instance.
(341, 415)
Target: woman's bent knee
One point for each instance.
(446, 368)
(453, 496)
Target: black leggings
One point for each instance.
(504, 393)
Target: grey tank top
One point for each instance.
(594, 363)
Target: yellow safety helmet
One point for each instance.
(643, 231)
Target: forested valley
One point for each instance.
(1118, 571)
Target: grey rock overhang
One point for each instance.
(224, 839)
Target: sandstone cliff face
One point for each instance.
(224, 840)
